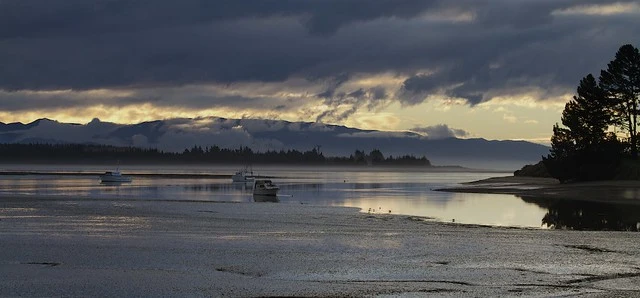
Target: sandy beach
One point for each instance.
(83, 247)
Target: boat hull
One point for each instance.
(111, 177)
(263, 187)
(266, 192)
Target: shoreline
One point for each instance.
(96, 174)
(611, 191)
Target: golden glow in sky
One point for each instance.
(479, 69)
(524, 116)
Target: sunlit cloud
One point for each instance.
(377, 121)
(499, 109)
(292, 100)
(534, 99)
(440, 131)
(531, 121)
(510, 118)
(601, 9)
(443, 103)
(452, 15)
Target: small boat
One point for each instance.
(262, 187)
(114, 176)
(244, 175)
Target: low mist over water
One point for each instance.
(406, 191)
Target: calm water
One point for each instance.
(399, 191)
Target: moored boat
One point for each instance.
(244, 175)
(263, 187)
(114, 176)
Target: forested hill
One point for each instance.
(104, 154)
(261, 135)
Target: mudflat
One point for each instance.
(84, 247)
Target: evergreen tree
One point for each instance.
(586, 118)
(562, 144)
(376, 156)
(621, 82)
(581, 149)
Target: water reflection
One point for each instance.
(586, 215)
(401, 192)
(417, 199)
(217, 187)
(244, 186)
(114, 183)
(265, 199)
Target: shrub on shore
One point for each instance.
(537, 170)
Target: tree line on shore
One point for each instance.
(91, 153)
(598, 138)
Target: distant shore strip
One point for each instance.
(150, 175)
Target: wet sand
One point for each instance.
(83, 247)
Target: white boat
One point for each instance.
(262, 187)
(244, 175)
(114, 176)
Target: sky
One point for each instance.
(494, 69)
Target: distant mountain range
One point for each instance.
(333, 140)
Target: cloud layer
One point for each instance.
(319, 59)
(440, 131)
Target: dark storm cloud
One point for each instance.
(334, 84)
(193, 98)
(19, 101)
(371, 98)
(506, 44)
(63, 17)
(548, 56)
(440, 131)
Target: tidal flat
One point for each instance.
(82, 247)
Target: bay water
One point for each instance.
(407, 191)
